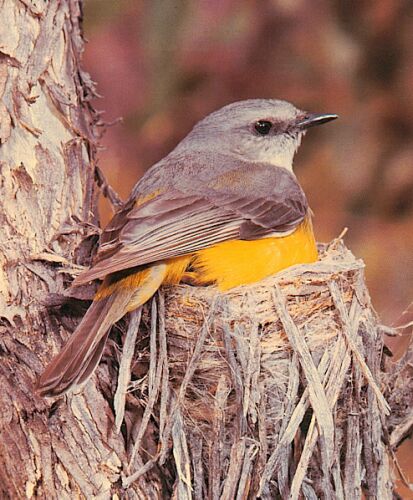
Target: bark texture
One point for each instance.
(48, 133)
(272, 390)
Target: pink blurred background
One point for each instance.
(162, 65)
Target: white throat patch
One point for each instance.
(279, 152)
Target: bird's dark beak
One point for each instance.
(313, 119)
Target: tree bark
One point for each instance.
(48, 133)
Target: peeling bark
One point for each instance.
(48, 136)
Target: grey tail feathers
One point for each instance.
(78, 359)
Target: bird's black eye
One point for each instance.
(263, 127)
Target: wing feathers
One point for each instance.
(176, 222)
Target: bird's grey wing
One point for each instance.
(247, 203)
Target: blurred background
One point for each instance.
(160, 66)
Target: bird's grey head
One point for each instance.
(264, 130)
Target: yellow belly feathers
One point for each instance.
(228, 264)
(234, 263)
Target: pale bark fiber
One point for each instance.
(48, 133)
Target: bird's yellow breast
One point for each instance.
(228, 264)
(236, 262)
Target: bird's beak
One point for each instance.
(313, 119)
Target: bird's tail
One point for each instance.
(79, 357)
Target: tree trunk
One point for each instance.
(48, 133)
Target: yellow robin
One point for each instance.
(223, 208)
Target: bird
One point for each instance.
(224, 208)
